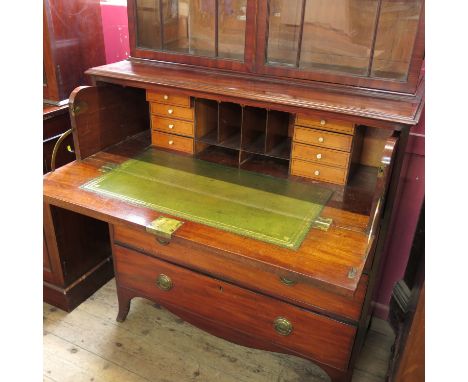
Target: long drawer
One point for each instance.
(311, 335)
(282, 285)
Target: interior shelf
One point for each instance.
(247, 137)
(218, 154)
(266, 165)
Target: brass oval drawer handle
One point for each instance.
(164, 282)
(316, 172)
(287, 281)
(283, 326)
(319, 156)
(171, 142)
(171, 126)
(323, 122)
(166, 97)
(321, 139)
(170, 111)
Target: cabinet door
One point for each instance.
(372, 43)
(214, 33)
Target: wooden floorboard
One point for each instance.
(153, 345)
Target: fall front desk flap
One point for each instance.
(259, 206)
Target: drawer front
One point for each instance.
(320, 155)
(168, 98)
(174, 126)
(319, 172)
(311, 335)
(173, 142)
(323, 139)
(281, 284)
(172, 111)
(325, 124)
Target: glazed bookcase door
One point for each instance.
(371, 43)
(212, 33)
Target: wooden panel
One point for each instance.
(373, 146)
(73, 42)
(313, 335)
(356, 105)
(323, 139)
(168, 98)
(70, 297)
(82, 242)
(320, 155)
(219, 264)
(173, 126)
(172, 111)
(318, 172)
(172, 142)
(345, 127)
(105, 115)
(46, 263)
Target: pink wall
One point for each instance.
(115, 30)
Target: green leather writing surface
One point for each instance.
(266, 208)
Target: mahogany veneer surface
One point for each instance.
(324, 259)
(362, 104)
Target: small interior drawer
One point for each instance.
(320, 155)
(173, 126)
(318, 171)
(173, 142)
(326, 124)
(168, 98)
(172, 111)
(324, 139)
(312, 335)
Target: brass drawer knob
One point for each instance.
(323, 122)
(171, 126)
(319, 156)
(164, 282)
(283, 326)
(171, 142)
(316, 172)
(166, 97)
(170, 111)
(287, 281)
(321, 140)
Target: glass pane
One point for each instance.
(148, 24)
(396, 32)
(189, 26)
(338, 35)
(231, 28)
(284, 31)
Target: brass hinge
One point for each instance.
(163, 228)
(322, 223)
(352, 273)
(78, 107)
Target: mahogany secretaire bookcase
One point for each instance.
(241, 166)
